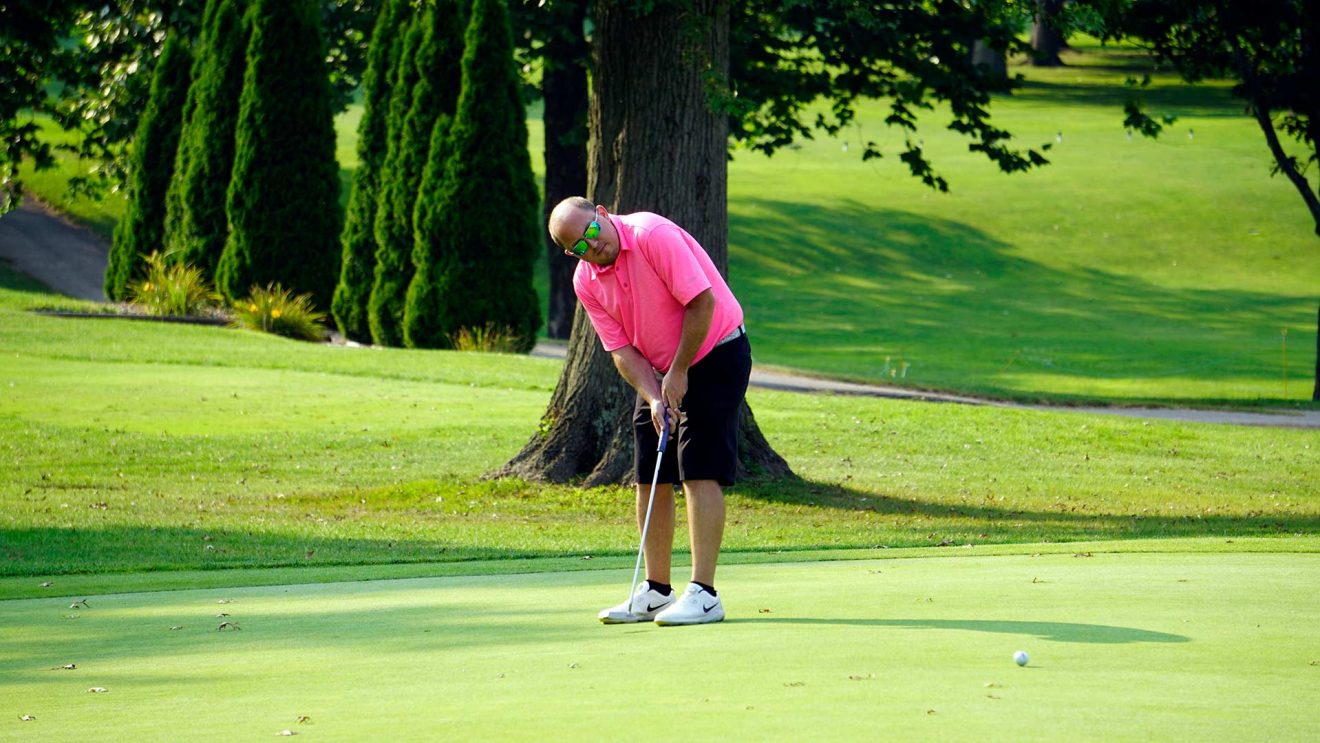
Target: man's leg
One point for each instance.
(659, 548)
(705, 510)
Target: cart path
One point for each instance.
(38, 241)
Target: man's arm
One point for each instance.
(637, 371)
(697, 316)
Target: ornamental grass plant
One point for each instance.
(277, 310)
(173, 289)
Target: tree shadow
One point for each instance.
(1063, 525)
(1181, 100)
(1100, 634)
(869, 284)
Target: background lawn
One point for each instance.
(1171, 271)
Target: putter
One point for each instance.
(615, 616)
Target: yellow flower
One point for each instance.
(252, 307)
(274, 313)
(146, 286)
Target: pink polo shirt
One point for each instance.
(639, 299)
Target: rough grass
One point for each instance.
(137, 446)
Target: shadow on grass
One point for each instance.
(971, 314)
(934, 520)
(1180, 100)
(119, 549)
(1100, 634)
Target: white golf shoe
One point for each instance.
(645, 604)
(695, 606)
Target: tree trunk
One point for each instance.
(656, 145)
(1045, 37)
(564, 88)
(994, 60)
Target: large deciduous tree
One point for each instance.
(283, 200)
(359, 241)
(141, 230)
(671, 81)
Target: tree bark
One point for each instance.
(1045, 37)
(994, 60)
(564, 88)
(656, 145)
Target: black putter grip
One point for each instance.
(664, 433)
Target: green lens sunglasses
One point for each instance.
(592, 232)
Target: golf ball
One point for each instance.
(1020, 657)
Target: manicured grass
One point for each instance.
(1123, 646)
(1127, 270)
(138, 446)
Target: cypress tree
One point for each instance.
(357, 270)
(206, 146)
(142, 228)
(484, 232)
(424, 324)
(283, 198)
(174, 194)
(393, 232)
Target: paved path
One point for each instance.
(67, 258)
(71, 260)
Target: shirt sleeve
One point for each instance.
(674, 262)
(610, 331)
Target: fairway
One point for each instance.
(1187, 643)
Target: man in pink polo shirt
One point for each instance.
(676, 333)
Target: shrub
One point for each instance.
(196, 223)
(434, 95)
(357, 268)
(488, 183)
(283, 198)
(489, 337)
(275, 309)
(172, 289)
(150, 168)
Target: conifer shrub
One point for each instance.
(198, 227)
(358, 261)
(391, 272)
(484, 231)
(142, 228)
(283, 197)
(434, 97)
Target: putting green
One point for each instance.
(1124, 646)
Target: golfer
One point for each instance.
(676, 334)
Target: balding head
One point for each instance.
(567, 211)
(569, 222)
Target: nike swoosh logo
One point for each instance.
(657, 606)
(706, 609)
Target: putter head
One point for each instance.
(614, 616)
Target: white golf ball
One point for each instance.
(1020, 657)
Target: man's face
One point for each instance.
(590, 230)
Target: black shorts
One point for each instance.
(705, 444)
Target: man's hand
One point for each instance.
(674, 387)
(662, 414)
